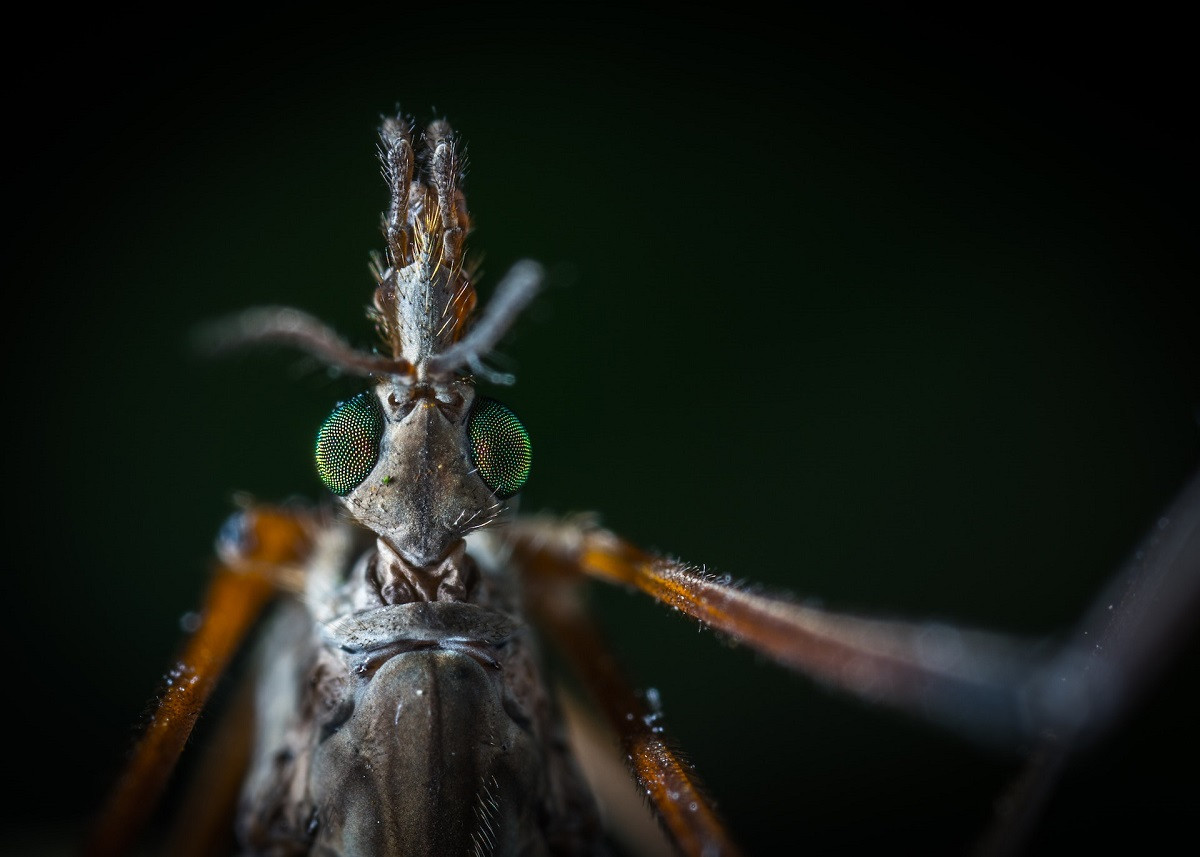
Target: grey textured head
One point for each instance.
(415, 459)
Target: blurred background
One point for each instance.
(888, 312)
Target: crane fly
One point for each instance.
(401, 702)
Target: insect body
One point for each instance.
(401, 704)
(408, 685)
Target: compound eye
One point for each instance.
(500, 447)
(348, 443)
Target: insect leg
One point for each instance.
(1144, 615)
(552, 589)
(990, 687)
(968, 680)
(256, 550)
(202, 825)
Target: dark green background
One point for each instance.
(887, 311)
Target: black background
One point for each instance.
(891, 311)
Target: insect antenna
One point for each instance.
(513, 294)
(287, 326)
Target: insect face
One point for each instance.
(422, 494)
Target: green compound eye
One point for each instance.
(348, 443)
(500, 447)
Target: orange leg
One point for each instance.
(990, 687)
(968, 680)
(202, 825)
(554, 598)
(271, 542)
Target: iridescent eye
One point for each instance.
(348, 443)
(500, 447)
